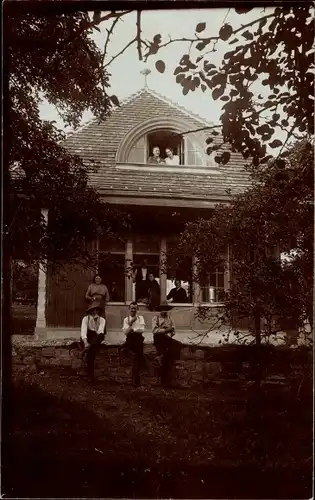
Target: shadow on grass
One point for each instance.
(62, 449)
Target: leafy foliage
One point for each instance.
(273, 216)
(52, 57)
(274, 52)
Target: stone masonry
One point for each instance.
(196, 366)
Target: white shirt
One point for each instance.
(137, 326)
(144, 272)
(85, 324)
(172, 161)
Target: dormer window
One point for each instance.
(165, 146)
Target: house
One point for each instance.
(160, 198)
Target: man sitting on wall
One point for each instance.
(156, 158)
(93, 330)
(177, 294)
(133, 328)
(163, 329)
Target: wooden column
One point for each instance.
(128, 275)
(41, 294)
(163, 274)
(195, 285)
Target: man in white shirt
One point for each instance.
(171, 159)
(133, 328)
(93, 330)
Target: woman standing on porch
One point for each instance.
(97, 292)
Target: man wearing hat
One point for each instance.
(163, 329)
(93, 330)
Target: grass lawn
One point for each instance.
(72, 440)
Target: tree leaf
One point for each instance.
(248, 35)
(242, 10)
(200, 45)
(157, 39)
(225, 32)
(115, 100)
(160, 66)
(225, 157)
(200, 27)
(217, 92)
(228, 55)
(276, 143)
(96, 16)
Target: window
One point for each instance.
(189, 151)
(166, 139)
(178, 271)
(212, 289)
(138, 151)
(194, 155)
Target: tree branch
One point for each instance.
(210, 127)
(117, 15)
(138, 35)
(121, 52)
(212, 38)
(110, 32)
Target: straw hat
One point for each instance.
(94, 305)
(164, 306)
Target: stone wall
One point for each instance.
(196, 366)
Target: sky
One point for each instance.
(126, 77)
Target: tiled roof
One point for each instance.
(97, 144)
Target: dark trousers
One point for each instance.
(169, 349)
(134, 343)
(94, 340)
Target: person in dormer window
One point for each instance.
(156, 158)
(171, 159)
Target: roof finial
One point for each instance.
(145, 72)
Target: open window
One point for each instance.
(189, 151)
(166, 139)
